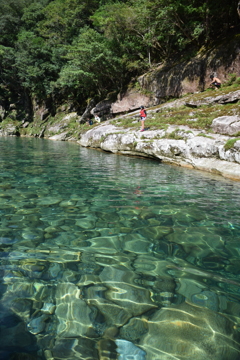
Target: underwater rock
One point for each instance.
(187, 332)
(138, 245)
(148, 265)
(127, 349)
(123, 291)
(21, 307)
(206, 299)
(107, 349)
(134, 329)
(74, 349)
(63, 348)
(24, 289)
(27, 211)
(162, 289)
(48, 308)
(48, 201)
(86, 223)
(16, 342)
(8, 240)
(155, 232)
(30, 234)
(52, 229)
(37, 325)
(67, 203)
(188, 215)
(135, 299)
(107, 245)
(112, 314)
(54, 270)
(70, 276)
(188, 287)
(196, 243)
(88, 279)
(72, 312)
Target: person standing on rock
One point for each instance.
(143, 115)
(215, 82)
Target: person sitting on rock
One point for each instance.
(97, 119)
(215, 82)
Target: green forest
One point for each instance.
(75, 50)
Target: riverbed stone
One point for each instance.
(48, 201)
(134, 298)
(186, 331)
(72, 312)
(154, 233)
(134, 329)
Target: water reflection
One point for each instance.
(109, 257)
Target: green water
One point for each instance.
(112, 257)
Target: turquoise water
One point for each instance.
(112, 257)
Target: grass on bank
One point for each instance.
(196, 118)
(230, 143)
(200, 118)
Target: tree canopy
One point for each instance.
(87, 48)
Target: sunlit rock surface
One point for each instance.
(228, 125)
(198, 152)
(197, 149)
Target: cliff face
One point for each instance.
(178, 78)
(165, 81)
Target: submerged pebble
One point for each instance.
(207, 299)
(127, 350)
(8, 241)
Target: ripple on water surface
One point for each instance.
(113, 257)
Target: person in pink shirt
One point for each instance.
(143, 115)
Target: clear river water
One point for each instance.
(112, 257)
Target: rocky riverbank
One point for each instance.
(195, 150)
(215, 150)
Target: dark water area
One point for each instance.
(111, 257)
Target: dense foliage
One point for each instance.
(78, 49)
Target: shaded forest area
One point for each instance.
(71, 51)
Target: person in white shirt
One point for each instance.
(97, 119)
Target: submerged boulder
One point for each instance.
(187, 332)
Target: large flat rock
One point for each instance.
(194, 151)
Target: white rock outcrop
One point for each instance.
(195, 150)
(228, 125)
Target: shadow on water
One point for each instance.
(16, 343)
